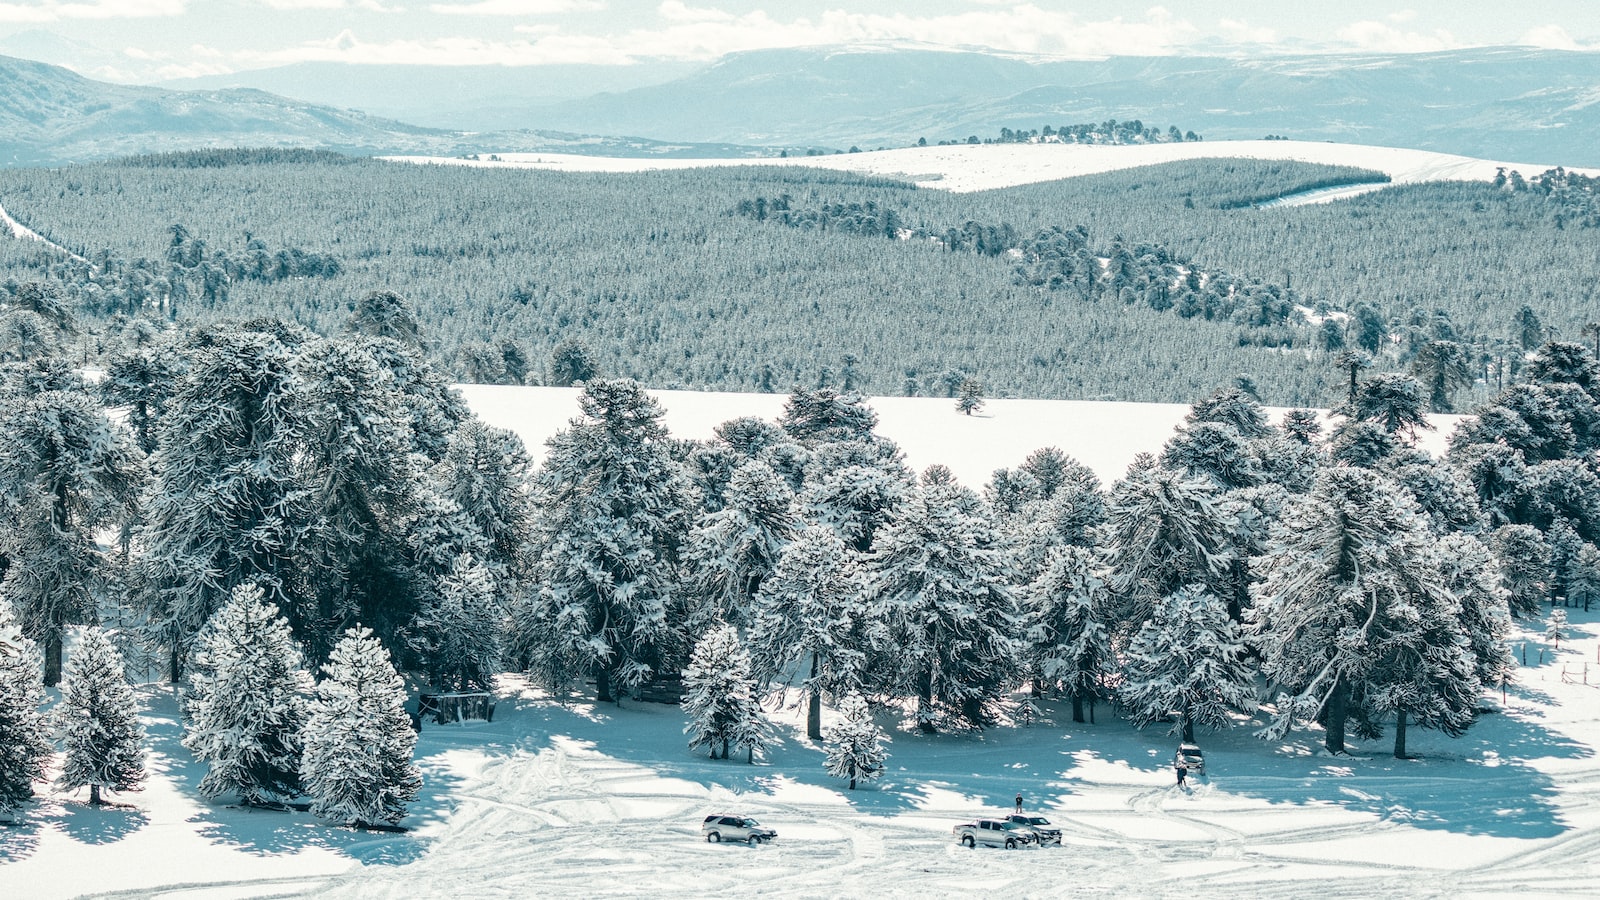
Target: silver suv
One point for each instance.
(1039, 825)
(994, 833)
(718, 828)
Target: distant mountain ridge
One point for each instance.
(50, 116)
(1493, 103)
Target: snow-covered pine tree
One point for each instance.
(942, 591)
(24, 730)
(1164, 530)
(1524, 559)
(488, 475)
(1427, 675)
(1583, 577)
(98, 718)
(969, 396)
(226, 506)
(247, 702)
(1216, 451)
(826, 416)
(1065, 628)
(1555, 627)
(460, 633)
(614, 511)
(854, 487)
(1473, 577)
(1347, 570)
(357, 459)
(855, 745)
(1233, 407)
(356, 766)
(66, 472)
(732, 551)
(719, 694)
(1188, 658)
(810, 612)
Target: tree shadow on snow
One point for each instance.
(100, 824)
(1479, 783)
(270, 832)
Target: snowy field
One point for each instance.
(570, 799)
(1105, 436)
(982, 167)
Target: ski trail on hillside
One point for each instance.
(22, 232)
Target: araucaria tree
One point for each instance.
(1350, 578)
(357, 765)
(99, 721)
(614, 512)
(735, 549)
(941, 590)
(810, 612)
(247, 702)
(66, 472)
(24, 732)
(855, 745)
(1164, 529)
(1188, 658)
(226, 506)
(1065, 628)
(719, 696)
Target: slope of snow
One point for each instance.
(981, 167)
(1104, 436)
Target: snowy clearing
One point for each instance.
(1105, 436)
(980, 167)
(565, 798)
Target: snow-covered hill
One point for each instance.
(1103, 436)
(981, 167)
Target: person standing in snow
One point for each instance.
(1183, 772)
(1019, 804)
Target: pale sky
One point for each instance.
(146, 40)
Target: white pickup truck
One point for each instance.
(994, 833)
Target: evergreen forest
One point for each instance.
(1152, 284)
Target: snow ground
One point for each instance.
(567, 798)
(980, 167)
(1105, 436)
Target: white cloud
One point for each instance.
(678, 11)
(516, 7)
(1241, 32)
(55, 11)
(1400, 17)
(1377, 37)
(1553, 37)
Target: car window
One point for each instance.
(727, 820)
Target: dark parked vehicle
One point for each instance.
(1039, 825)
(719, 828)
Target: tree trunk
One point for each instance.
(52, 659)
(602, 685)
(814, 703)
(1091, 709)
(174, 665)
(724, 748)
(94, 795)
(1338, 712)
(852, 776)
(1188, 729)
(925, 703)
(1400, 735)
(1077, 707)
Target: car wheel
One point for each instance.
(968, 842)
(1011, 843)
(713, 838)
(752, 840)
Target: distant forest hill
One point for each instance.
(1154, 284)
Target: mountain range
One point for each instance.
(51, 116)
(1505, 103)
